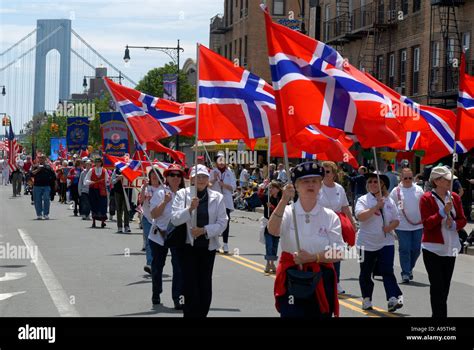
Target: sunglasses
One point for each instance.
(174, 175)
(373, 182)
(407, 178)
(328, 171)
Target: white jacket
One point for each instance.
(228, 177)
(217, 215)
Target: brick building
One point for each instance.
(239, 33)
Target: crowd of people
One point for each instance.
(312, 214)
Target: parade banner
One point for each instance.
(77, 135)
(115, 136)
(169, 87)
(58, 148)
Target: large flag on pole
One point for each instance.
(233, 103)
(130, 170)
(144, 116)
(12, 150)
(465, 115)
(311, 87)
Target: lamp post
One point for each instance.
(84, 81)
(4, 91)
(173, 53)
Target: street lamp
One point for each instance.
(172, 52)
(4, 92)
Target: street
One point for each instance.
(80, 271)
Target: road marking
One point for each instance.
(342, 298)
(56, 291)
(5, 296)
(249, 261)
(11, 276)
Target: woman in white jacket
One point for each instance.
(202, 239)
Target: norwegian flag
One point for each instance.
(12, 150)
(233, 103)
(130, 170)
(314, 142)
(178, 157)
(465, 115)
(143, 113)
(311, 87)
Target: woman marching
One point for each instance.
(97, 180)
(160, 208)
(378, 216)
(271, 242)
(201, 241)
(442, 215)
(320, 245)
(333, 196)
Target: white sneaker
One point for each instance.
(366, 304)
(39, 218)
(46, 217)
(225, 248)
(340, 290)
(395, 303)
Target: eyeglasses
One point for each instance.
(373, 182)
(407, 178)
(174, 175)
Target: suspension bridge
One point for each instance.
(45, 67)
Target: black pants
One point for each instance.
(122, 212)
(440, 271)
(84, 206)
(75, 197)
(198, 264)
(62, 192)
(225, 234)
(159, 254)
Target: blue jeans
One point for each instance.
(271, 246)
(409, 249)
(146, 230)
(41, 199)
(384, 259)
(159, 254)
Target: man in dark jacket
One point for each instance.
(43, 178)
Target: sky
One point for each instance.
(110, 25)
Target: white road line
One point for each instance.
(5, 296)
(56, 291)
(11, 276)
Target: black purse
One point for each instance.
(302, 284)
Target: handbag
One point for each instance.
(302, 284)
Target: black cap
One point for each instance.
(306, 169)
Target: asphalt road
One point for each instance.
(82, 271)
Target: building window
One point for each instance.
(327, 13)
(241, 8)
(466, 40)
(245, 51)
(231, 15)
(278, 7)
(403, 70)
(391, 70)
(230, 51)
(450, 50)
(380, 68)
(225, 51)
(235, 47)
(405, 7)
(416, 5)
(435, 54)
(240, 52)
(416, 70)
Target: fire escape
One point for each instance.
(445, 52)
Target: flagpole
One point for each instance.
(269, 156)
(194, 216)
(378, 177)
(287, 168)
(132, 131)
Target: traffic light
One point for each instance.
(5, 121)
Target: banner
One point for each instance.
(170, 87)
(58, 148)
(77, 135)
(115, 136)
